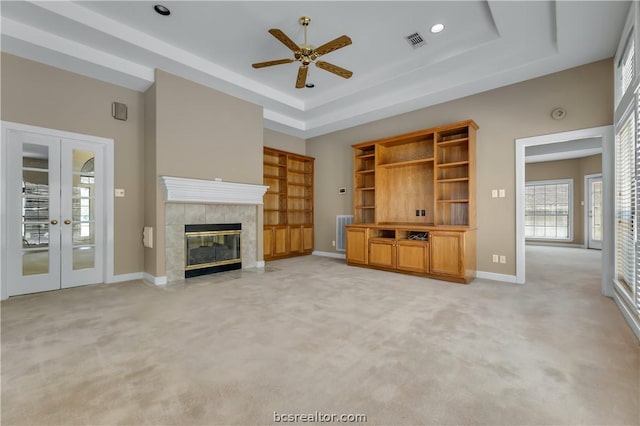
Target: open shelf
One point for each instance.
(462, 179)
(407, 163)
(454, 142)
(452, 164)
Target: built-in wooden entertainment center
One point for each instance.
(415, 203)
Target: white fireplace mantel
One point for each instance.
(185, 190)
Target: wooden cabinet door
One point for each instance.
(446, 253)
(281, 237)
(295, 239)
(307, 239)
(357, 245)
(382, 252)
(412, 256)
(268, 241)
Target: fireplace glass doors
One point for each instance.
(212, 248)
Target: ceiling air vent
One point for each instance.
(415, 40)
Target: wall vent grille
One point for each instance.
(342, 220)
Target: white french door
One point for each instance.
(55, 212)
(593, 190)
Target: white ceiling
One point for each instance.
(486, 44)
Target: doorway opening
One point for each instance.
(545, 147)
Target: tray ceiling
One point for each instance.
(484, 45)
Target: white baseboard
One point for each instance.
(329, 254)
(260, 264)
(632, 319)
(125, 277)
(550, 244)
(496, 277)
(154, 280)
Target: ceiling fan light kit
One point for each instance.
(307, 54)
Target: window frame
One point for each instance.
(570, 213)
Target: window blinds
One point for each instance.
(625, 204)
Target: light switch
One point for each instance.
(501, 193)
(503, 259)
(119, 192)
(494, 193)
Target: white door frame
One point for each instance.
(607, 136)
(587, 206)
(109, 191)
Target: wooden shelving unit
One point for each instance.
(288, 204)
(425, 181)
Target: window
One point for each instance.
(625, 202)
(627, 65)
(548, 210)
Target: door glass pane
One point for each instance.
(35, 209)
(35, 235)
(83, 209)
(83, 257)
(596, 210)
(82, 233)
(35, 156)
(35, 262)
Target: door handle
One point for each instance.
(66, 222)
(54, 222)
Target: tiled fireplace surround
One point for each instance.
(177, 215)
(195, 202)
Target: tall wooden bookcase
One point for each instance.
(288, 204)
(415, 203)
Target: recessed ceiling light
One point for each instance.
(162, 10)
(437, 28)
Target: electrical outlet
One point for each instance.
(423, 212)
(333, 243)
(495, 258)
(494, 193)
(417, 212)
(503, 259)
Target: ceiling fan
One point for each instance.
(307, 54)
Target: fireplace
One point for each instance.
(211, 248)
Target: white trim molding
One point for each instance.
(497, 277)
(329, 254)
(185, 190)
(154, 280)
(260, 264)
(125, 277)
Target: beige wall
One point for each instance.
(203, 134)
(150, 176)
(40, 95)
(503, 114)
(574, 169)
(283, 142)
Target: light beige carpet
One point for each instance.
(312, 334)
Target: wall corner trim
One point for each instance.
(154, 280)
(329, 254)
(497, 277)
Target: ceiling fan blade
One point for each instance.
(334, 44)
(302, 76)
(344, 73)
(284, 39)
(270, 63)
